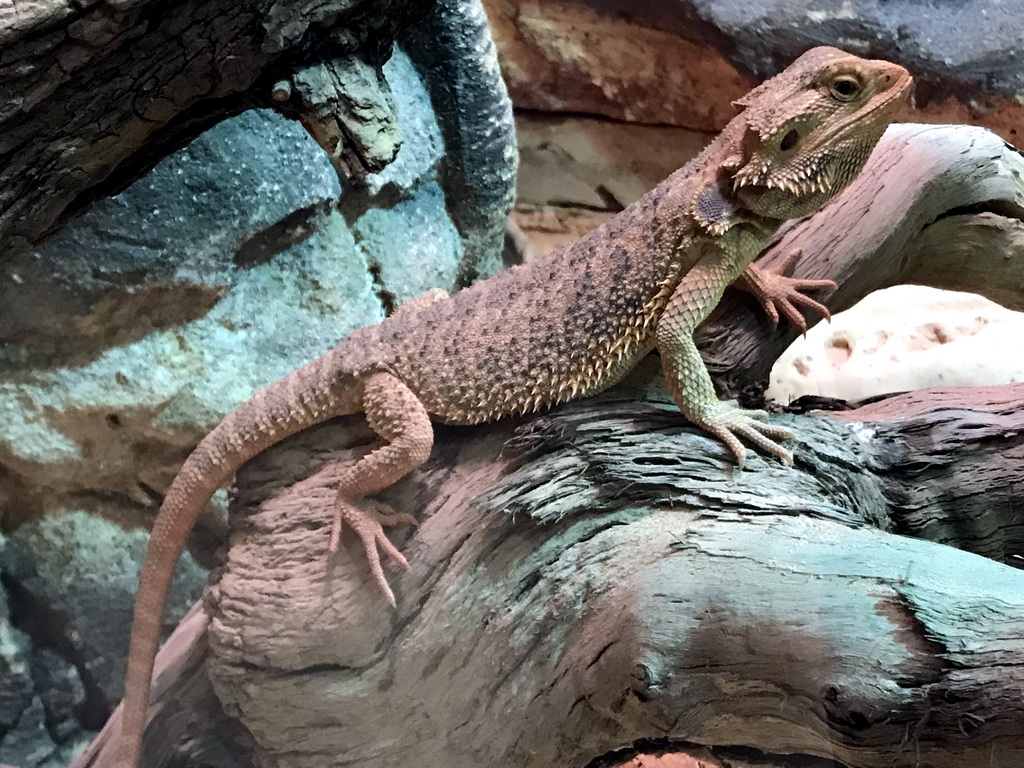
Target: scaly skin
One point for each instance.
(558, 328)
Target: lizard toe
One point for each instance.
(728, 422)
(765, 437)
(368, 524)
(387, 516)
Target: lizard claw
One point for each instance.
(779, 293)
(728, 422)
(369, 524)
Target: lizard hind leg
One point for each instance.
(397, 415)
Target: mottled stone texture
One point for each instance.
(681, 62)
(129, 332)
(93, 94)
(904, 338)
(611, 92)
(476, 115)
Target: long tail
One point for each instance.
(310, 395)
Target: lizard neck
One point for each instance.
(568, 324)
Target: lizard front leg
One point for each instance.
(686, 375)
(778, 292)
(397, 415)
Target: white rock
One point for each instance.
(903, 338)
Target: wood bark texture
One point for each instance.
(598, 575)
(93, 94)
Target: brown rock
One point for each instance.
(567, 56)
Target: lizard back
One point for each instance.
(563, 326)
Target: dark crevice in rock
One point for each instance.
(49, 629)
(1003, 208)
(387, 299)
(174, 136)
(293, 229)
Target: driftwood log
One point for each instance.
(598, 576)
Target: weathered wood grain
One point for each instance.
(599, 574)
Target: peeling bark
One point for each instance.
(599, 575)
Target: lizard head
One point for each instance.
(808, 131)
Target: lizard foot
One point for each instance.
(728, 422)
(779, 293)
(369, 522)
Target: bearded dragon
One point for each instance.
(558, 328)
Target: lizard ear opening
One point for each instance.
(789, 140)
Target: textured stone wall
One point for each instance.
(131, 331)
(613, 95)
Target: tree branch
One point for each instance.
(599, 574)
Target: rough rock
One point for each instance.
(595, 164)
(456, 56)
(16, 690)
(903, 338)
(128, 335)
(61, 690)
(409, 248)
(683, 62)
(589, 58)
(38, 691)
(73, 576)
(28, 743)
(423, 145)
(134, 330)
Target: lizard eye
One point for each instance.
(845, 87)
